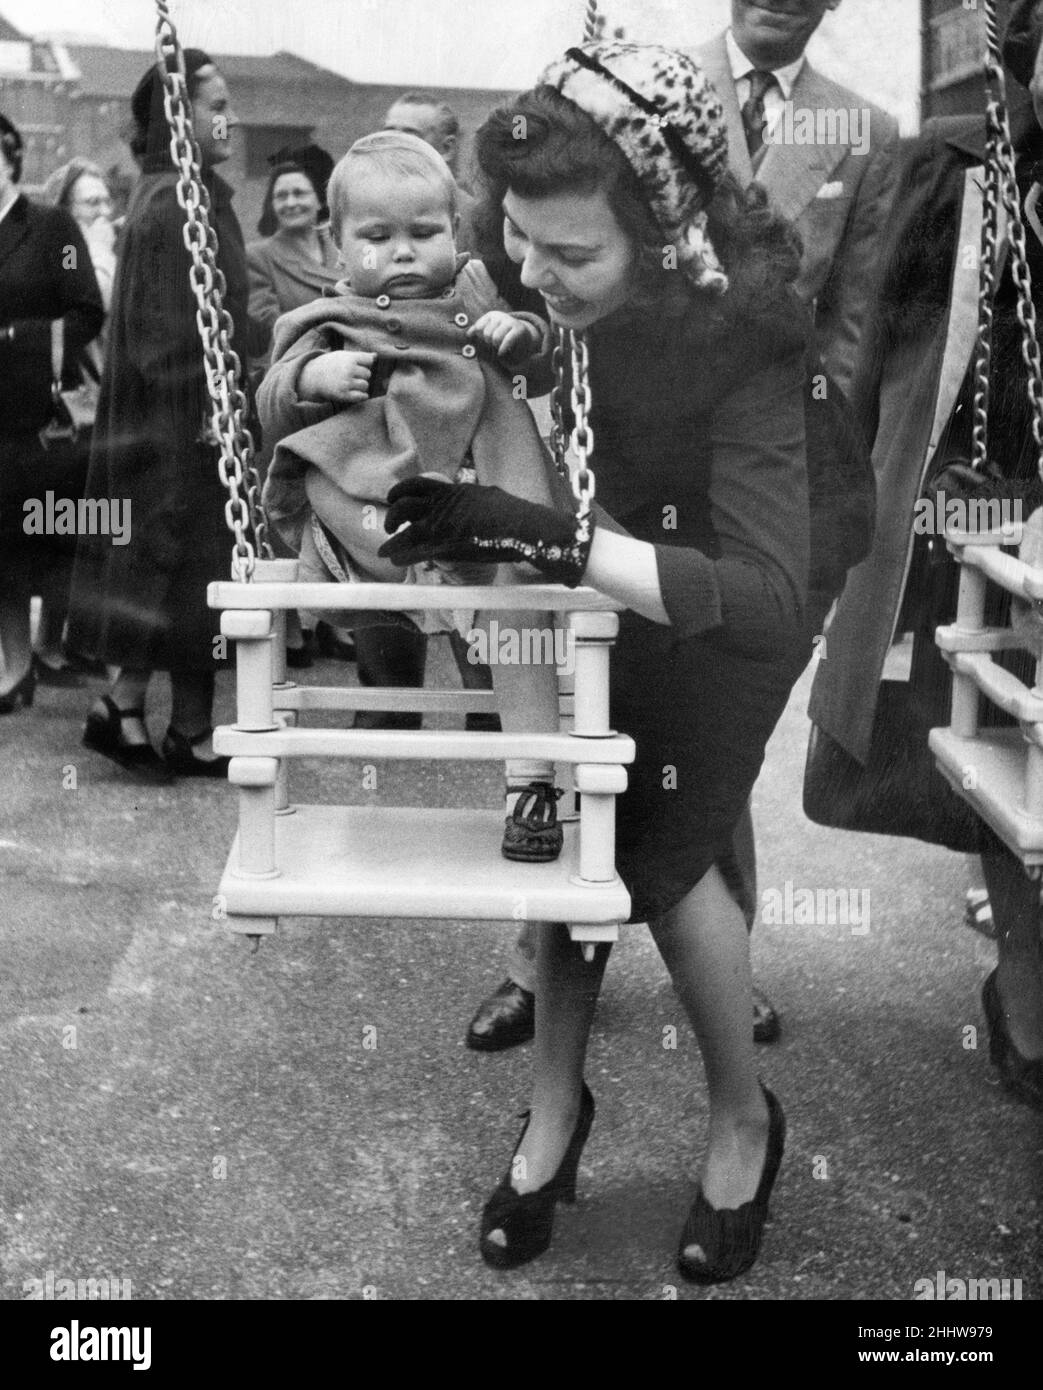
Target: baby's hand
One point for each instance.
(341, 377)
(510, 337)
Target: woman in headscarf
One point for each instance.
(142, 606)
(611, 185)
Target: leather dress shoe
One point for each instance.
(506, 1019)
(766, 1023)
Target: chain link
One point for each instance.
(1001, 179)
(221, 363)
(582, 439)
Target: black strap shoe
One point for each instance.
(103, 733)
(506, 1019)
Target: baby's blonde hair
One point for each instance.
(394, 152)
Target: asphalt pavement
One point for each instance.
(212, 1123)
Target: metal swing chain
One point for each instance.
(1002, 178)
(221, 362)
(582, 482)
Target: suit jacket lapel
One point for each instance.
(714, 58)
(793, 174)
(13, 228)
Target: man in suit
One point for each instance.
(838, 192)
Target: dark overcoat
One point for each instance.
(143, 605)
(917, 371)
(45, 274)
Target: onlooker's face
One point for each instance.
(295, 203)
(213, 119)
(425, 121)
(571, 249)
(774, 33)
(398, 236)
(89, 199)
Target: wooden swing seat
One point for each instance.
(409, 862)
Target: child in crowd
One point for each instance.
(406, 369)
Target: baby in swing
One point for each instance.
(411, 367)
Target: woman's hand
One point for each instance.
(436, 520)
(506, 335)
(340, 377)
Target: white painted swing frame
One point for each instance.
(363, 861)
(999, 771)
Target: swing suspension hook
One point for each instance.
(228, 410)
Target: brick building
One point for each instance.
(75, 100)
(953, 48)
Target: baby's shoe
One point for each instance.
(532, 833)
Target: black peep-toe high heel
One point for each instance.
(527, 1218)
(730, 1237)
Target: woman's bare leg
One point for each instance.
(705, 945)
(567, 988)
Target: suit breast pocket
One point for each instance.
(821, 229)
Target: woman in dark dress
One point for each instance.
(45, 275)
(615, 202)
(142, 606)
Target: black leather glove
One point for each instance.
(462, 522)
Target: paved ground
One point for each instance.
(208, 1124)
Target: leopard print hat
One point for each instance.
(658, 106)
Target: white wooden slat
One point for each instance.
(414, 862)
(423, 744)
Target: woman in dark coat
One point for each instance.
(45, 275)
(142, 606)
(919, 360)
(618, 208)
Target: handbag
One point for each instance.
(65, 439)
(899, 790)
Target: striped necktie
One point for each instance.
(753, 115)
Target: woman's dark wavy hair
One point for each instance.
(542, 144)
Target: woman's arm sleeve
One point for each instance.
(754, 591)
(281, 409)
(76, 297)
